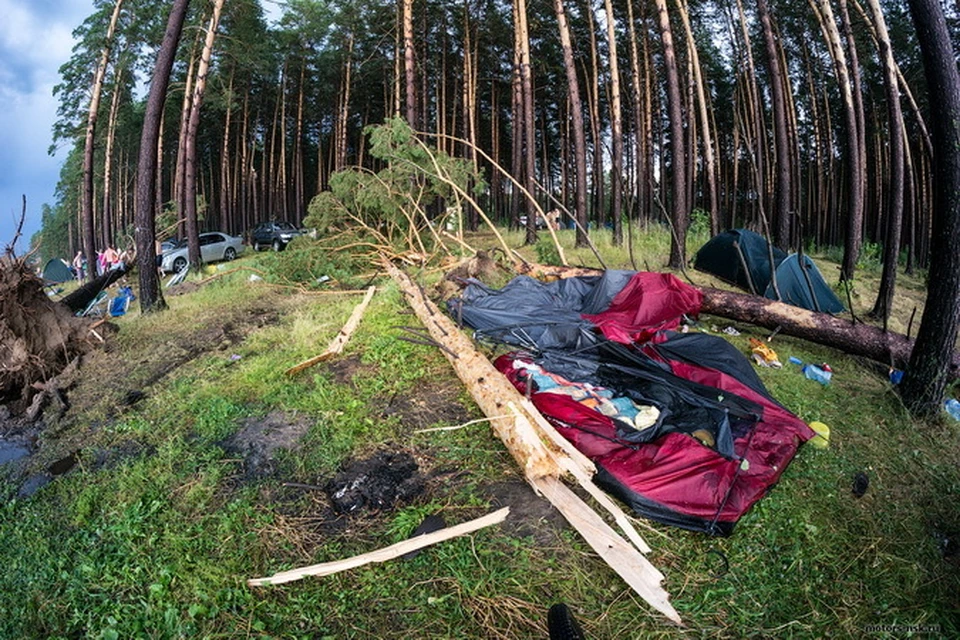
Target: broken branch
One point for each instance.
(384, 554)
(336, 346)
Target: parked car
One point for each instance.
(169, 245)
(214, 246)
(275, 235)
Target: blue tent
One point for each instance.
(803, 286)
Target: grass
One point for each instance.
(158, 526)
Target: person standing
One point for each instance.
(79, 266)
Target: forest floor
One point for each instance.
(187, 462)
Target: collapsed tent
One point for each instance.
(56, 271)
(742, 257)
(679, 425)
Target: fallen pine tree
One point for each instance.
(38, 336)
(887, 347)
(857, 338)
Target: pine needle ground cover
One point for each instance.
(197, 464)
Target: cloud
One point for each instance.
(35, 40)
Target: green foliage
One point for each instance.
(402, 198)
(699, 222)
(546, 250)
(307, 262)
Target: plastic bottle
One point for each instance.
(813, 372)
(953, 408)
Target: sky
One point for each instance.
(35, 39)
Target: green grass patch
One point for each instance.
(158, 526)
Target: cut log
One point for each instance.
(542, 453)
(887, 347)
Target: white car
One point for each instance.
(214, 246)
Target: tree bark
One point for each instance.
(783, 189)
(865, 340)
(576, 116)
(96, 89)
(891, 247)
(926, 378)
(193, 124)
(678, 211)
(616, 128)
(151, 298)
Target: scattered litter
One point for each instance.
(822, 439)
(953, 408)
(896, 375)
(322, 279)
(235, 357)
(796, 360)
(813, 372)
(860, 484)
(764, 355)
(731, 331)
(254, 278)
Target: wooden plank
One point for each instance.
(336, 345)
(629, 564)
(384, 554)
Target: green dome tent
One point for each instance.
(56, 271)
(809, 290)
(748, 266)
(742, 257)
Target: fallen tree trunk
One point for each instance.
(543, 454)
(79, 299)
(859, 339)
(887, 347)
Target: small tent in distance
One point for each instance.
(742, 258)
(56, 271)
(801, 284)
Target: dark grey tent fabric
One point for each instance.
(56, 271)
(809, 290)
(536, 315)
(720, 257)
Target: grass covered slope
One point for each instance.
(199, 464)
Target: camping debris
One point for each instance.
(387, 553)
(543, 454)
(337, 344)
(377, 482)
(764, 355)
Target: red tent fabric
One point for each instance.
(675, 478)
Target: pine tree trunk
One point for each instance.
(96, 89)
(926, 377)
(151, 297)
(679, 215)
(576, 118)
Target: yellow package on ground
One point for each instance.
(764, 355)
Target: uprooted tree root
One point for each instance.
(39, 337)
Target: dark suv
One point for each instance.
(273, 234)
